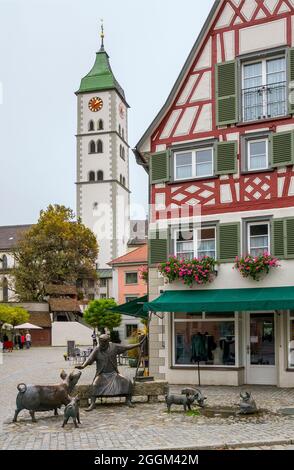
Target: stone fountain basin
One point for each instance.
(227, 412)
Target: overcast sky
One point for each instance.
(46, 47)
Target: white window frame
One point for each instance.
(221, 319)
(194, 163)
(251, 224)
(195, 231)
(264, 80)
(290, 317)
(252, 141)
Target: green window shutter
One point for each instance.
(229, 242)
(226, 158)
(278, 238)
(158, 246)
(289, 238)
(282, 148)
(226, 93)
(160, 167)
(291, 78)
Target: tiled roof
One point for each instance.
(64, 305)
(9, 235)
(140, 255)
(41, 319)
(54, 289)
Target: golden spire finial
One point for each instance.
(102, 34)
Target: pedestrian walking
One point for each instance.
(28, 340)
(22, 340)
(94, 338)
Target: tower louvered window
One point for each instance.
(99, 146)
(92, 147)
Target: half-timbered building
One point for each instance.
(220, 157)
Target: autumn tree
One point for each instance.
(99, 314)
(56, 250)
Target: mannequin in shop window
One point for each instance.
(202, 346)
(227, 345)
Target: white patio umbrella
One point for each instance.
(7, 326)
(27, 326)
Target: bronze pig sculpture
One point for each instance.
(72, 410)
(247, 404)
(197, 394)
(188, 397)
(46, 397)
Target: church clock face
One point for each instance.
(95, 104)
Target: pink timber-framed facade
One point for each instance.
(222, 148)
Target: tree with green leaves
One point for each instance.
(16, 316)
(4, 313)
(99, 316)
(13, 315)
(57, 250)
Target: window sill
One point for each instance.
(253, 172)
(210, 368)
(191, 180)
(259, 121)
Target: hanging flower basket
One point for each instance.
(256, 267)
(197, 271)
(143, 273)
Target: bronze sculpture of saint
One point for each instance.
(108, 382)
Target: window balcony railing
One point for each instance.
(264, 102)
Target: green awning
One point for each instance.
(133, 308)
(225, 300)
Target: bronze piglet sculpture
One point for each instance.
(72, 410)
(46, 397)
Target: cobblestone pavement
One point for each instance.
(147, 426)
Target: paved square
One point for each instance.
(147, 426)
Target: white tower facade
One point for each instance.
(103, 160)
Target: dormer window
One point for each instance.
(264, 93)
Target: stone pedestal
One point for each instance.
(151, 390)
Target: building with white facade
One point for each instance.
(103, 163)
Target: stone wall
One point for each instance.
(157, 329)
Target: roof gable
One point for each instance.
(179, 82)
(189, 112)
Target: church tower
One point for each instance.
(103, 159)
